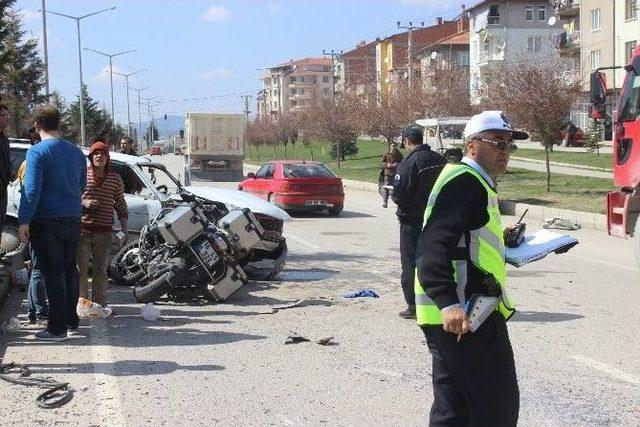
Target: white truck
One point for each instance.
(215, 146)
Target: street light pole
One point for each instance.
(46, 51)
(78, 19)
(139, 110)
(126, 77)
(111, 56)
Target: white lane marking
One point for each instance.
(610, 264)
(607, 369)
(382, 371)
(109, 404)
(302, 241)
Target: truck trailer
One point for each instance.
(215, 146)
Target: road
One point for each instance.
(575, 339)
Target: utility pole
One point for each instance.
(126, 76)
(139, 110)
(78, 19)
(333, 55)
(246, 112)
(46, 50)
(410, 29)
(150, 117)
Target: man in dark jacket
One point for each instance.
(415, 177)
(5, 163)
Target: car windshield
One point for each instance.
(160, 179)
(630, 99)
(306, 170)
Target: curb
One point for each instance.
(587, 220)
(567, 165)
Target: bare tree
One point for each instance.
(536, 94)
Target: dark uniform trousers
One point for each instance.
(474, 380)
(409, 235)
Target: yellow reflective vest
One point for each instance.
(485, 250)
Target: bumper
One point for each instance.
(308, 201)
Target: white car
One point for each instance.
(147, 186)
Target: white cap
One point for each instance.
(491, 120)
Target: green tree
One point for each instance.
(156, 135)
(593, 137)
(96, 118)
(21, 69)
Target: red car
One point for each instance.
(297, 185)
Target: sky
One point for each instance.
(203, 48)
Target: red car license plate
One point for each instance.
(316, 202)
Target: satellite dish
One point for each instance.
(434, 55)
(552, 21)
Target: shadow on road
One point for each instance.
(544, 317)
(333, 257)
(122, 368)
(537, 273)
(324, 215)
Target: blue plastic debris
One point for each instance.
(365, 293)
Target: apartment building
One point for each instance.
(505, 32)
(626, 33)
(442, 57)
(289, 87)
(356, 69)
(392, 52)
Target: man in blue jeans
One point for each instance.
(49, 216)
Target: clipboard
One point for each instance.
(478, 308)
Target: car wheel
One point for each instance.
(335, 211)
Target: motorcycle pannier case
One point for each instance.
(180, 225)
(242, 227)
(233, 280)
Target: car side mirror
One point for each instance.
(251, 175)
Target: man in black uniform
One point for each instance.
(412, 184)
(5, 163)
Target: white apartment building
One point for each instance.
(506, 31)
(289, 87)
(626, 34)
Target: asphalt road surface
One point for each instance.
(575, 339)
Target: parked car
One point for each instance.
(147, 185)
(155, 151)
(297, 185)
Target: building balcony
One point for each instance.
(493, 20)
(302, 85)
(571, 76)
(486, 58)
(568, 44)
(299, 96)
(566, 9)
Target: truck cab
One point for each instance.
(623, 205)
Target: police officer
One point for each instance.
(461, 253)
(412, 183)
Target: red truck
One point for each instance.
(623, 205)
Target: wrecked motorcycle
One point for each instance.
(198, 248)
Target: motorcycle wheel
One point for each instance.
(170, 275)
(124, 268)
(268, 267)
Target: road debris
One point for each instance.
(327, 341)
(149, 312)
(560, 223)
(57, 393)
(294, 338)
(365, 293)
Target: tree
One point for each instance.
(593, 137)
(21, 69)
(156, 135)
(536, 95)
(97, 120)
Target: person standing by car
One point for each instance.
(104, 192)
(389, 163)
(49, 217)
(461, 257)
(126, 146)
(412, 183)
(5, 164)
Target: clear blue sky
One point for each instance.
(199, 48)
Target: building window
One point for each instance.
(528, 13)
(533, 43)
(595, 59)
(294, 103)
(325, 79)
(595, 20)
(630, 10)
(294, 91)
(542, 13)
(494, 15)
(301, 79)
(628, 51)
(292, 79)
(301, 91)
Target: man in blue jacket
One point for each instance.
(49, 215)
